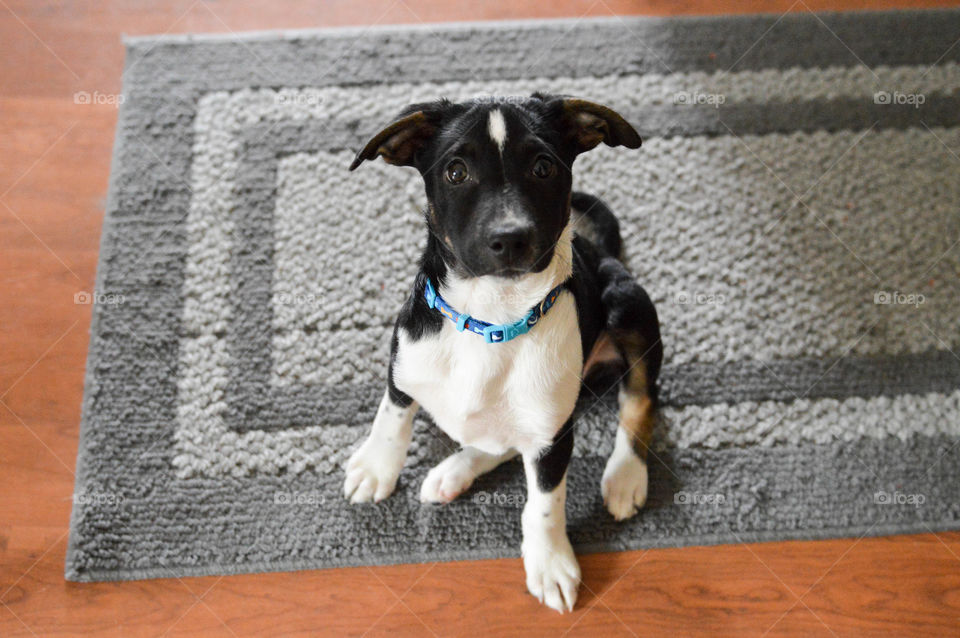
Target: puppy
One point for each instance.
(519, 283)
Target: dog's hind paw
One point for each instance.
(448, 480)
(624, 485)
(455, 474)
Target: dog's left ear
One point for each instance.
(399, 142)
(587, 123)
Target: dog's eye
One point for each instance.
(456, 172)
(544, 167)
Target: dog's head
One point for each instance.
(498, 172)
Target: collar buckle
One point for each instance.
(507, 331)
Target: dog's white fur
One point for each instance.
(497, 128)
(498, 400)
(624, 483)
(456, 473)
(495, 397)
(373, 469)
(553, 574)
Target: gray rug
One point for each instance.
(793, 211)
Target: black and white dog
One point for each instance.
(532, 269)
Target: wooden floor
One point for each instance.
(54, 164)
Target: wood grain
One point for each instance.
(54, 166)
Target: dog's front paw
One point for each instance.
(624, 485)
(372, 472)
(553, 574)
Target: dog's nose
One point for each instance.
(510, 243)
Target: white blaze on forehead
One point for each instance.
(497, 127)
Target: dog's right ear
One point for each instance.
(399, 142)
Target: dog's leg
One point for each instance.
(553, 574)
(624, 483)
(456, 473)
(373, 469)
(633, 327)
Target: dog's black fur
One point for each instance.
(498, 213)
(608, 297)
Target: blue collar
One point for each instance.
(492, 333)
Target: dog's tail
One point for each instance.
(594, 220)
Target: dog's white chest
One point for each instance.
(501, 395)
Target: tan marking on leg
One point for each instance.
(636, 408)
